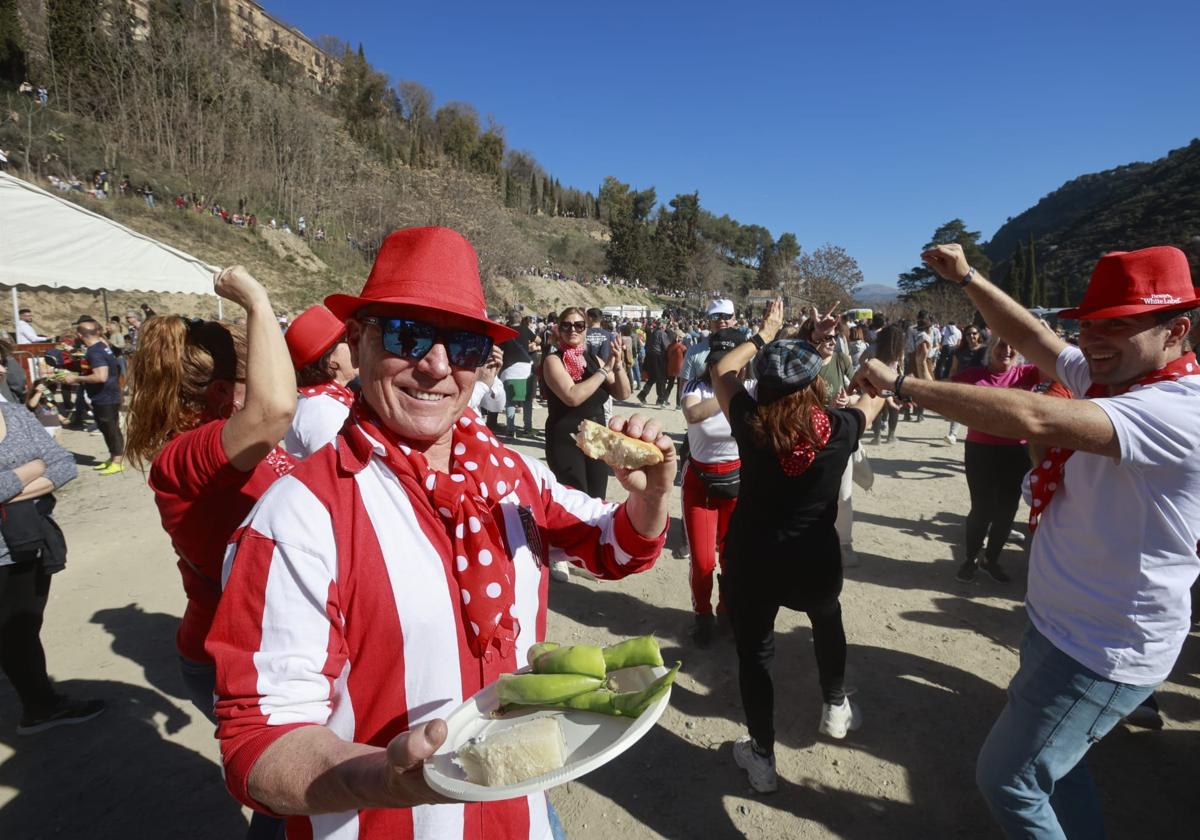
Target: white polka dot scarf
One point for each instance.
(333, 389)
(1047, 477)
(482, 472)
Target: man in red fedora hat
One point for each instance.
(399, 571)
(1115, 518)
(316, 341)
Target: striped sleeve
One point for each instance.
(592, 533)
(277, 637)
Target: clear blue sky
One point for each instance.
(863, 124)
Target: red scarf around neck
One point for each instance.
(466, 498)
(331, 388)
(804, 453)
(574, 361)
(1047, 477)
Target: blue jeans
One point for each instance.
(1031, 769)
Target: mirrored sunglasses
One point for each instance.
(410, 339)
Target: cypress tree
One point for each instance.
(1016, 274)
(1035, 290)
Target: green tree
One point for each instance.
(627, 254)
(1015, 281)
(1035, 288)
(921, 277)
(777, 263)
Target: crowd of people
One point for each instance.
(362, 548)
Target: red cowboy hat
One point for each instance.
(313, 332)
(427, 271)
(1132, 282)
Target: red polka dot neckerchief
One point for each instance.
(330, 389)
(804, 453)
(482, 472)
(1047, 477)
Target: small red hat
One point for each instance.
(1132, 282)
(313, 332)
(429, 270)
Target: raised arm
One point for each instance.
(571, 392)
(270, 402)
(1005, 316)
(725, 380)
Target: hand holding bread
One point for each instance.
(642, 457)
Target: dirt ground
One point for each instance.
(929, 657)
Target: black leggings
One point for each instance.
(568, 463)
(108, 419)
(754, 629)
(24, 590)
(994, 476)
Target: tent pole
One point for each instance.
(220, 309)
(16, 313)
(104, 297)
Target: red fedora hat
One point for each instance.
(313, 332)
(428, 270)
(1132, 282)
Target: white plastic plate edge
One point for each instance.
(484, 703)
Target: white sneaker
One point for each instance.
(950, 439)
(836, 721)
(760, 769)
(1016, 536)
(560, 570)
(683, 552)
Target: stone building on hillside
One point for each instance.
(247, 23)
(251, 26)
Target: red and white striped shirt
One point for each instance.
(340, 608)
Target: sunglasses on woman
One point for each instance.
(410, 339)
(572, 326)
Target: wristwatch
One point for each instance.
(758, 341)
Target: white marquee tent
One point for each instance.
(48, 242)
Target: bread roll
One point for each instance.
(515, 754)
(614, 448)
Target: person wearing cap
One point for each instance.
(720, 315)
(396, 573)
(1115, 515)
(316, 342)
(782, 548)
(711, 480)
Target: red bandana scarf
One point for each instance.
(804, 453)
(332, 389)
(481, 473)
(574, 362)
(1047, 476)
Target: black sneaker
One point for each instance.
(966, 572)
(67, 712)
(992, 567)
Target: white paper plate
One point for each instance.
(592, 739)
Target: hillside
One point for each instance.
(1131, 206)
(299, 272)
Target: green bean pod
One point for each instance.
(576, 659)
(535, 651)
(623, 703)
(641, 650)
(542, 689)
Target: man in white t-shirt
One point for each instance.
(26, 332)
(951, 337)
(1116, 507)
